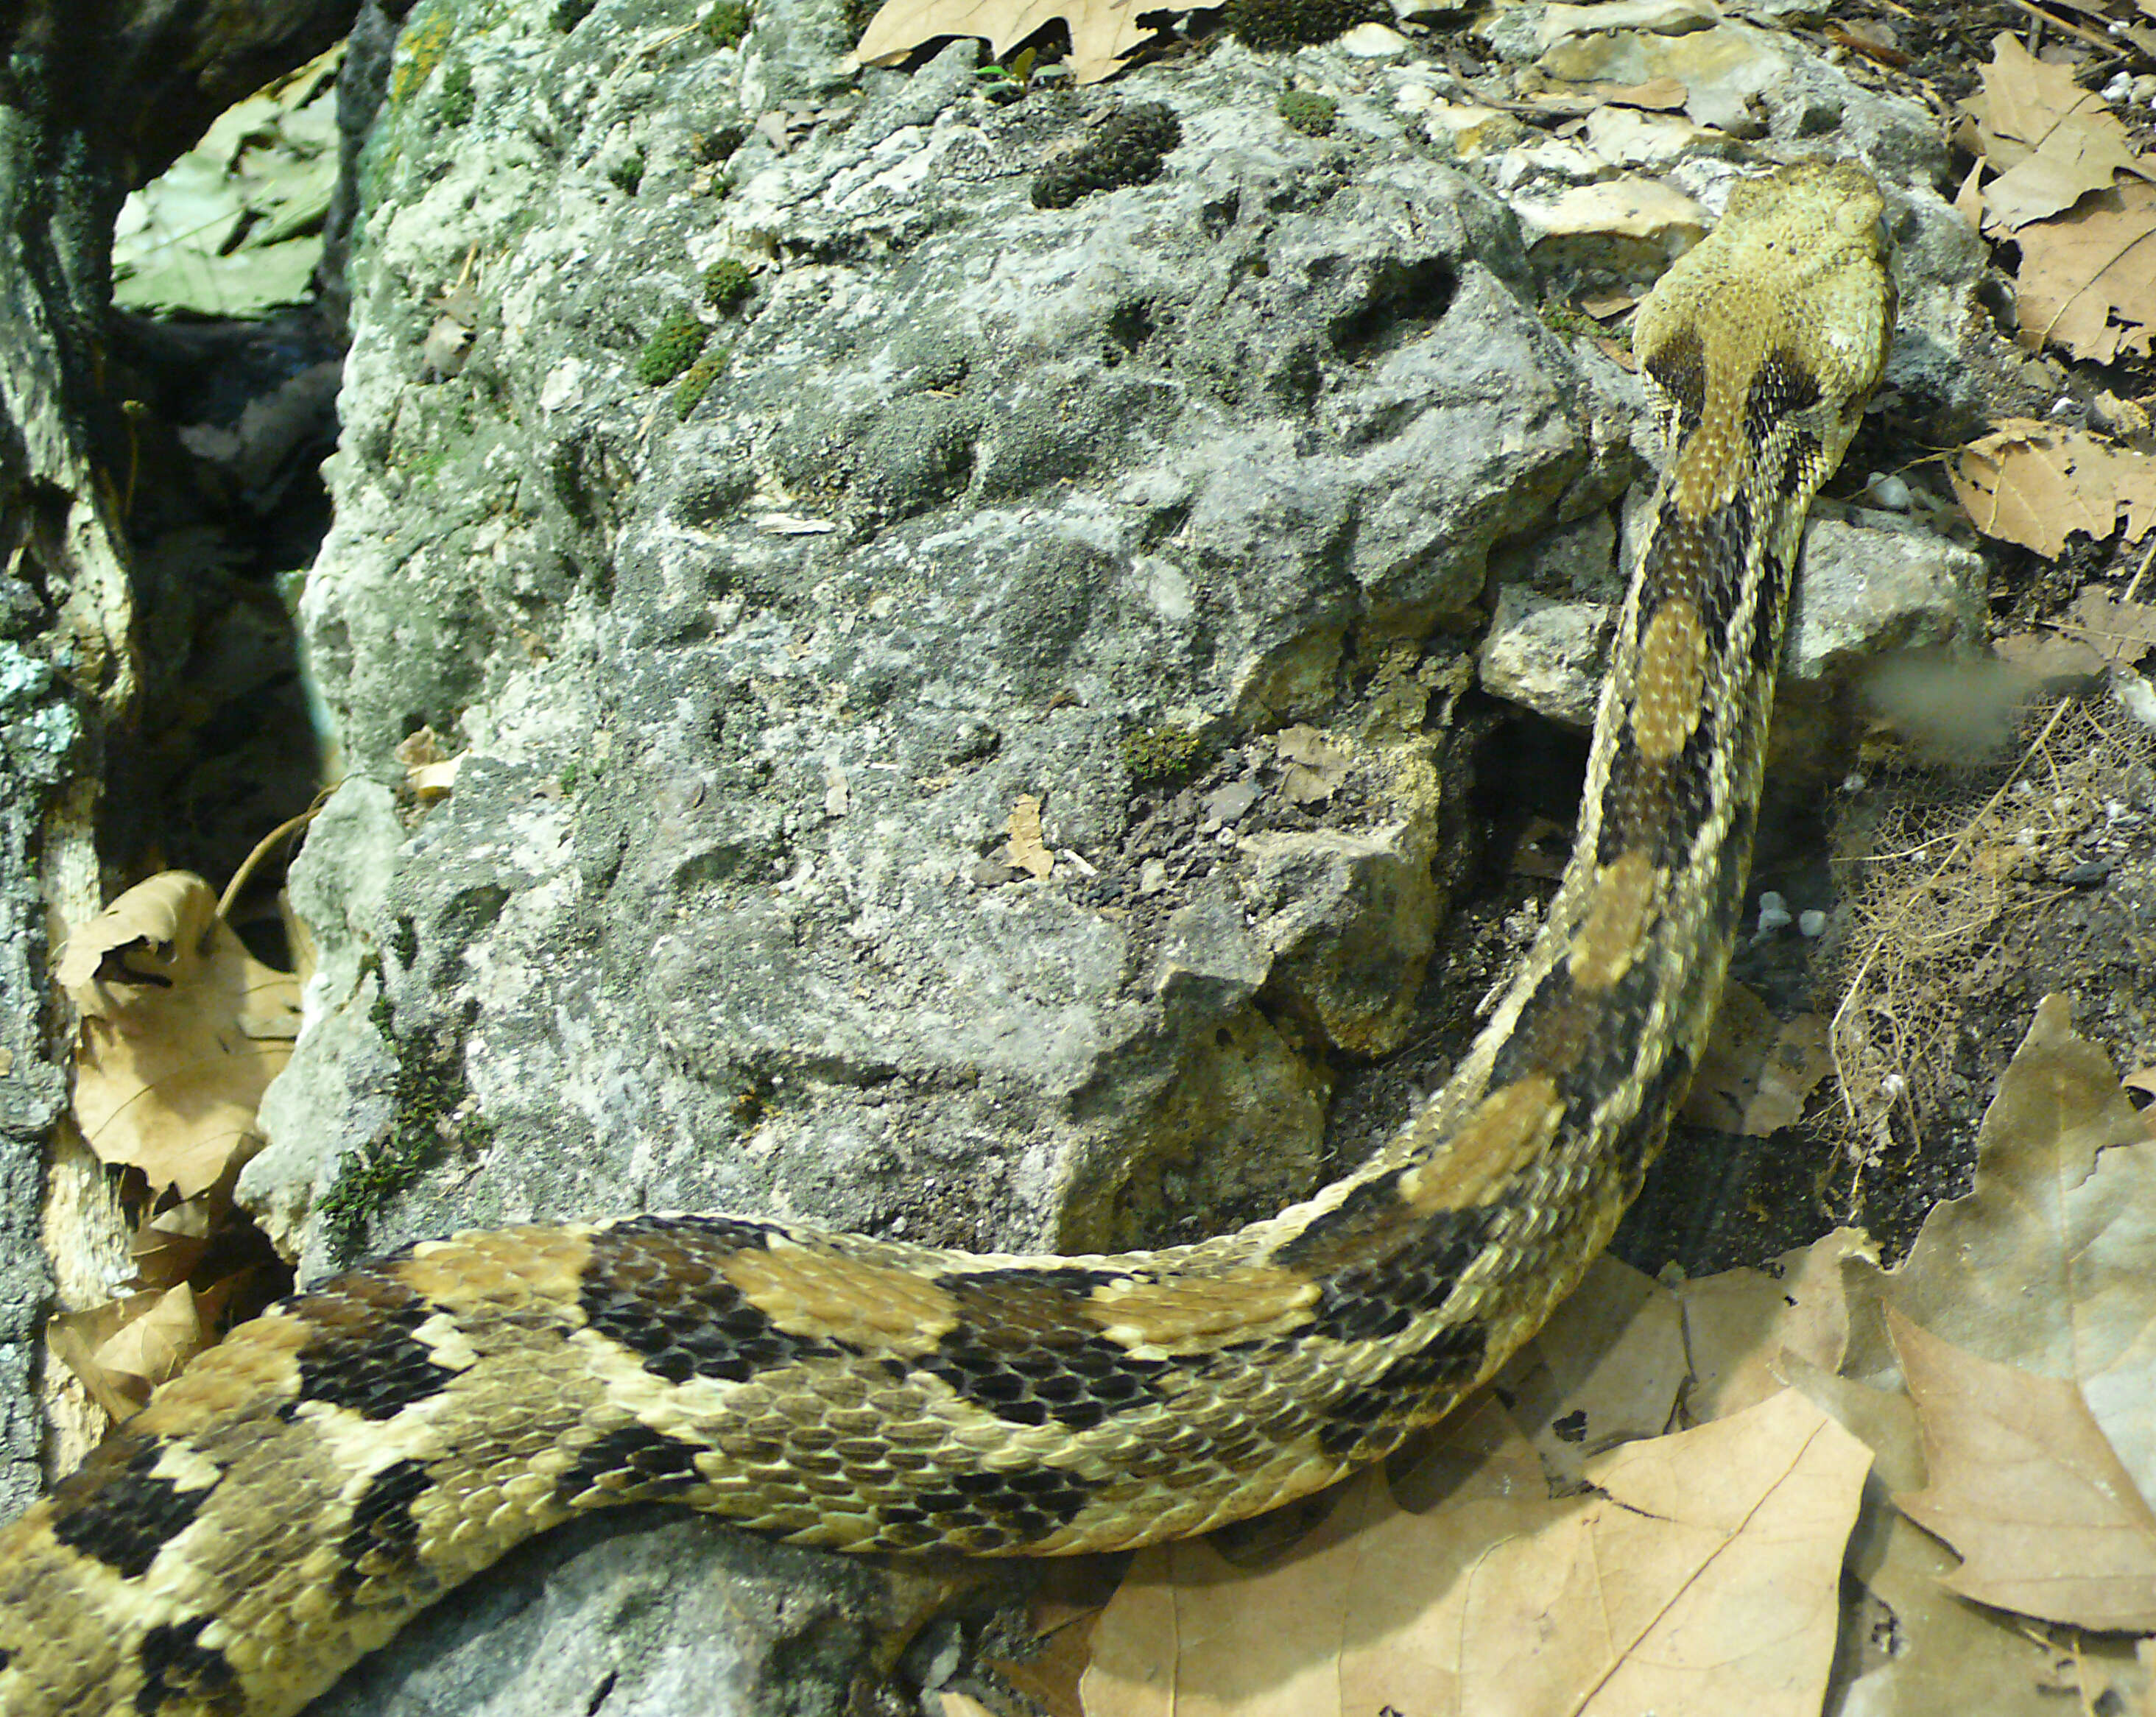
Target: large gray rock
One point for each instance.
(987, 503)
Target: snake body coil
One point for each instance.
(341, 1462)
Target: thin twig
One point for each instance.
(240, 877)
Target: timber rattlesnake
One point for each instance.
(343, 1460)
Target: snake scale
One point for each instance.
(358, 1450)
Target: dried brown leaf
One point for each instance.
(1026, 850)
(1606, 1369)
(1705, 1581)
(2088, 279)
(167, 1245)
(2049, 1263)
(149, 1350)
(1102, 31)
(182, 1031)
(1741, 1326)
(1756, 1071)
(2036, 483)
(2025, 100)
(2077, 158)
(2120, 632)
(1315, 767)
(2024, 1486)
(122, 1349)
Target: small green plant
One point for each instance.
(1308, 112)
(669, 351)
(727, 283)
(726, 22)
(627, 173)
(1157, 756)
(1017, 69)
(696, 381)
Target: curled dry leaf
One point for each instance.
(429, 770)
(167, 1245)
(123, 1349)
(182, 1031)
(1312, 767)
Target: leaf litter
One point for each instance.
(2058, 177)
(1819, 1485)
(180, 1031)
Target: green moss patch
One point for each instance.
(1310, 113)
(669, 351)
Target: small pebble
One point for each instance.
(1888, 491)
(1812, 924)
(1774, 912)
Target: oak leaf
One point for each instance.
(2053, 142)
(1704, 1579)
(2036, 483)
(183, 1029)
(2046, 1263)
(1102, 31)
(2023, 1485)
(2088, 279)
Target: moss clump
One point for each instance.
(718, 144)
(697, 379)
(427, 1093)
(727, 283)
(627, 173)
(1276, 24)
(670, 351)
(1126, 151)
(1308, 112)
(1570, 323)
(726, 22)
(1156, 755)
(457, 98)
